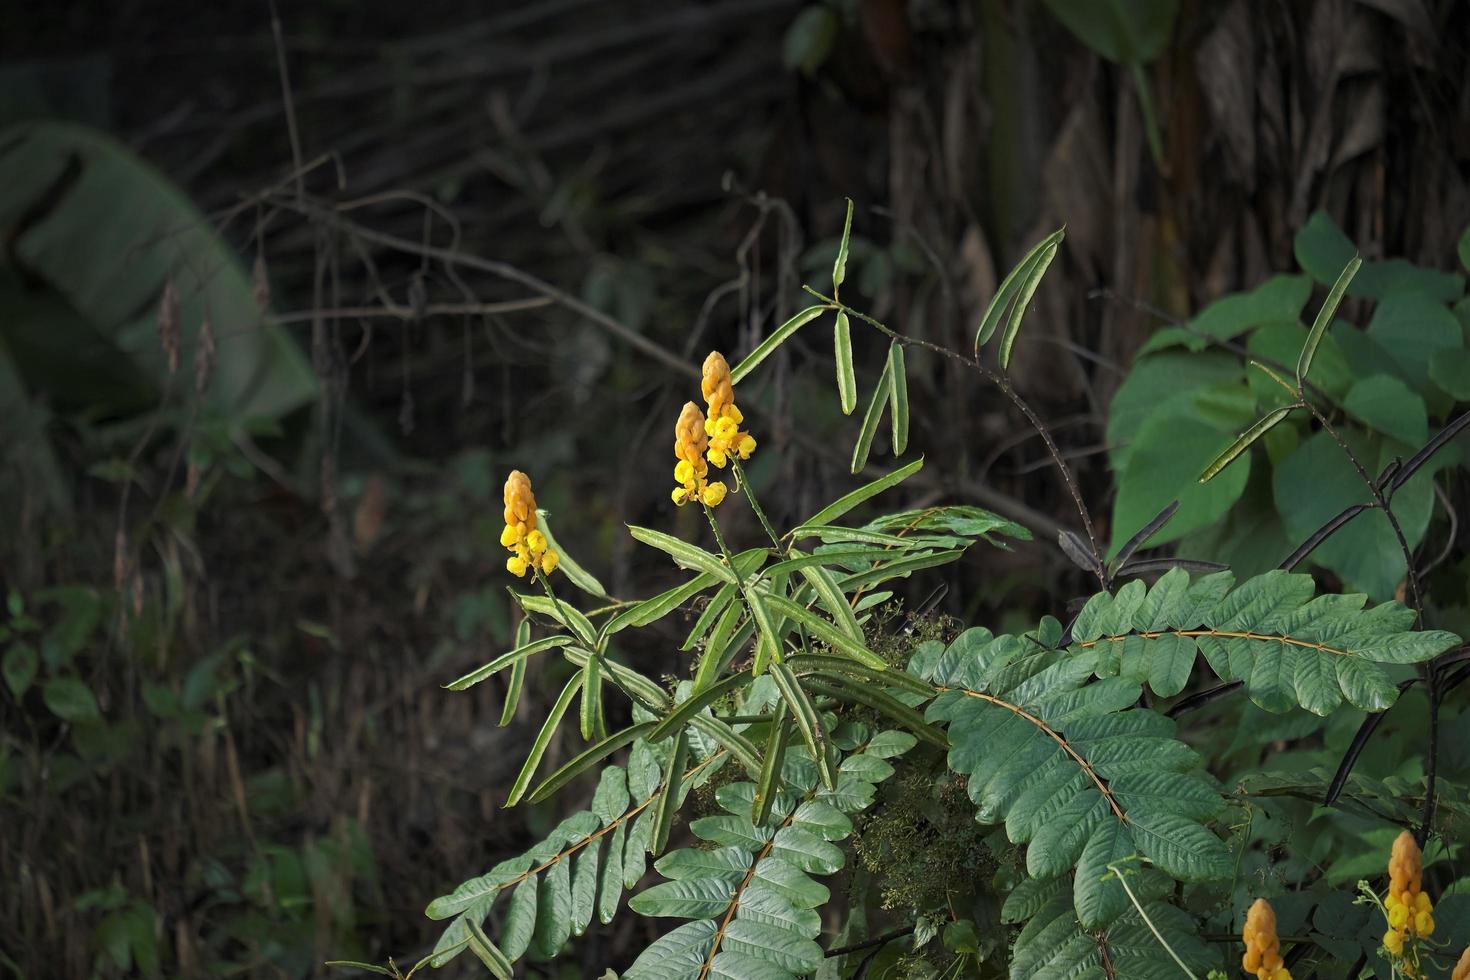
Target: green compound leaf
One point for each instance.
(1244, 441)
(556, 886)
(871, 418)
(1023, 302)
(1288, 648)
(1010, 286)
(848, 501)
(684, 553)
(1069, 764)
(777, 337)
(839, 268)
(898, 398)
(842, 355)
(1054, 943)
(1324, 318)
(574, 572)
(751, 898)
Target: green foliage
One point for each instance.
(1053, 943)
(1288, 648)
(752, 899)
(1029, 804)
(1072, 768)
(1178, 413)
(581, 867)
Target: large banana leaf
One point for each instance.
(89, 236)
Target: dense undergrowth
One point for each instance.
(254, 508)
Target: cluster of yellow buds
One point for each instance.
(1262, 946)
(1408, 907)
(527, 545)
(690, 443)
(722, 423)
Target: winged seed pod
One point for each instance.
(204, 354)
(168, 325)
(527, 545)
(690, 444)
(260, 285)
(722, 424)
(1262, 946)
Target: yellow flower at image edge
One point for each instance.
(1410, 912)
(722, 426)
(1462, 968)
(527, 545)
(1262, 947)
(690, 442)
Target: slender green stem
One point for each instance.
(709, 512)
(1150, 922)
(1001, 382)
(741, 481)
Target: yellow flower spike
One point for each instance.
(519, 500)
(1262, 947)
(1462, 968)
(723, 424)
(713, 494)
(690, 443)
(549, 562)
(716, 385)
(521, 538)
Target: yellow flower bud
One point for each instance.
(1398, 915)
(536, 541)
(1262, 947)
(1422, 903)
(1424, 924)
(717, 457)
(680, 496)
(745, 446)
(509, 537)
(1393, 941)
(519, 500)
(714, 494)
(734, 414)
(725, 428)
(516, 565)
(549, 562)
(684, 471)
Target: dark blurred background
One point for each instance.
(262, 371)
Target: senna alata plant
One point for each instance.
(1114, 839)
